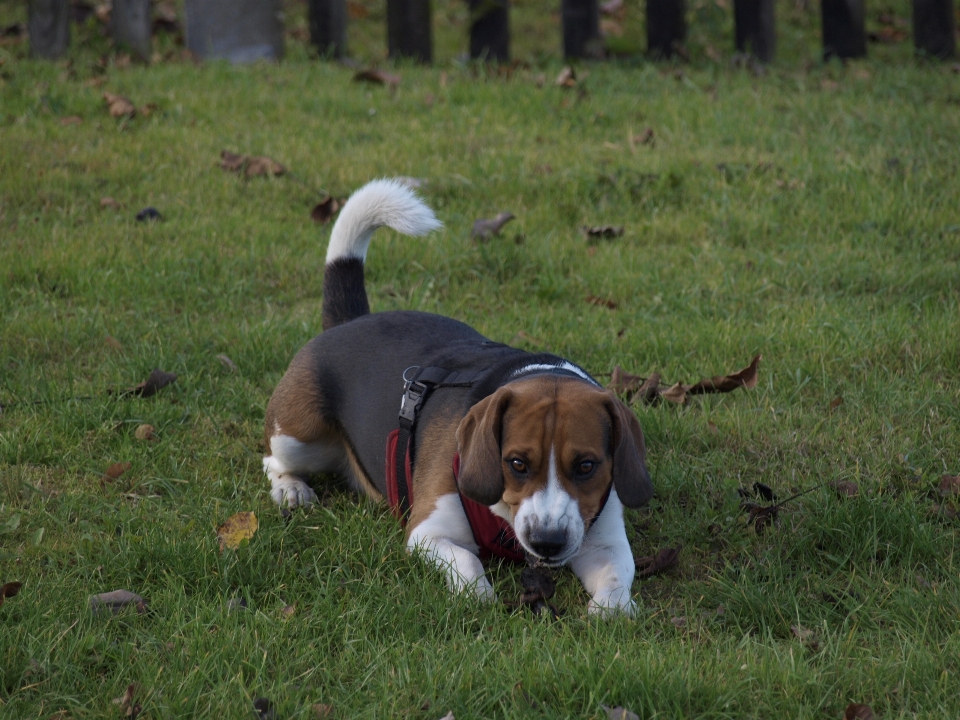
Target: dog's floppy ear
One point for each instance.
(630, 476)
(478, 440)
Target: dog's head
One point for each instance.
(549, 448)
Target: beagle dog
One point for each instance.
(502, 450)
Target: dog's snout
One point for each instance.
(548, 543)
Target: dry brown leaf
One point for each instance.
(145, 432)
(665, 559)
(232, 161)
(944, 511)
(116, 600)
(567, 78)
(845, 488)
(115, 471)
(619, 713)
(836, 402)
(644, 138)
(109, 202)
(680, 621)
(238, 527)
(126, 702)
(949, 485)
(649, 392)
(119, 106)
(602, 302)
(262, 165)
(112, 342)
(227, 363)
(746, 378)
(321, 711)
(602, 232)
(622, 382)
(377, 77)
(152, 385)
(71, 120)
(324, 210)
(485, 229)
(146, 110)
(856, 711)
(676, 393)
(9, 590)
(288, 611)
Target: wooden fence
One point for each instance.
(243, 30)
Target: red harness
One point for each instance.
(492, 533)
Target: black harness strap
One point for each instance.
(418, 384)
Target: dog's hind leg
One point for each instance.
(290, 460)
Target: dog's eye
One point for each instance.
(518, 465)
(586, 467)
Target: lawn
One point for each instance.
(810, 214)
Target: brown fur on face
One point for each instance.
(525, 418)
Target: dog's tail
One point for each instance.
(378, 203)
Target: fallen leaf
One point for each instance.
(130, 708)
(145, 432)
(116, 600)
(836, 402)
(115, 471)
(949, 485)
(322, 710)
(676, 393)
(649, 391)
(856, 711)
(567, 78)
(112, 342)
(324, 210)
(231, 161)
(71, 120)
(679, 621)
(746, 378)
(764, 491)
(801, 633)
(665, 559)
(152, 385)
(538, 587)
(149, 213)
(239, 527)
(485, 229)
(944, 511)
(109, 202)
(227, 363)
(119, 106)
(377, 77)
(603, 302)
(845, 488)
(146, 110)
(264, 709)
(644, 138)
(288, 611)
(9, 590)
(622, 382)
(262, 165)
(602, 232)
(250, 166)
(619, 713)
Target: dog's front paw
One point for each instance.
(292, 492)
(612, 603)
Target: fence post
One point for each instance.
(490, 30)
(755, 26)
(408, 30)
(933, 31)
(844, 33)
(581, 29)
(328, 27)
(131, 26)
(236, 30)
(48, 23)
(666, 27)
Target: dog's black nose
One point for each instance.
(548, 543)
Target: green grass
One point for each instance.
(829, 241)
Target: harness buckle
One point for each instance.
(413, 393)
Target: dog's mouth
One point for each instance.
(554, 561)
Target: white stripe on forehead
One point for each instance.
(545, 367)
